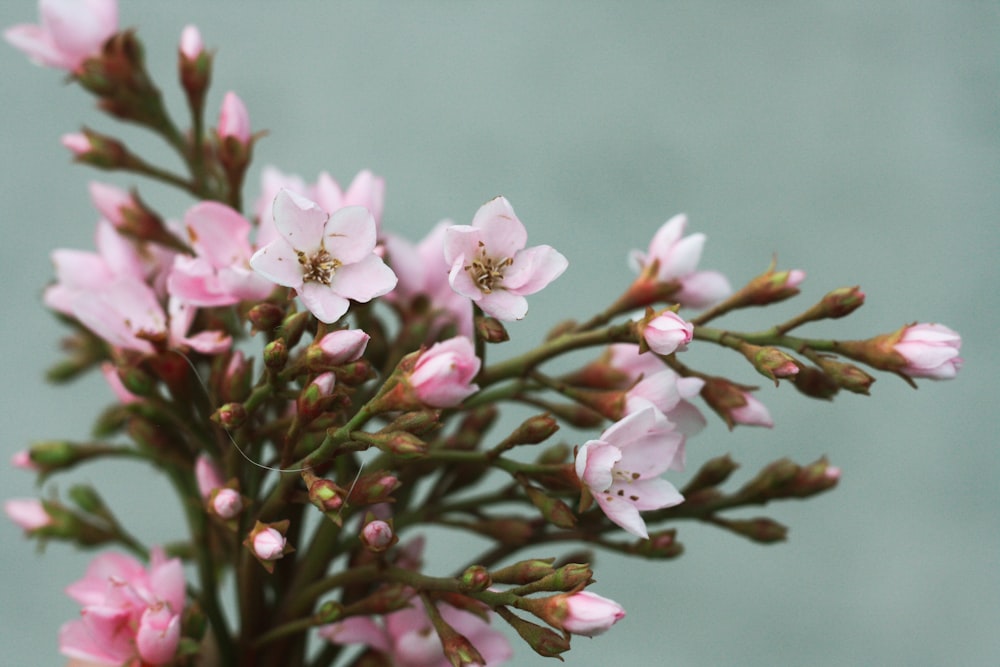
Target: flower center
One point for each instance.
(487, 272)
(320, 268)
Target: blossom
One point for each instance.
(443, 374)
(377, 535)
(491, 266)
(191, 45)
(751, 413)
(129, 614)
(930, 351)
(70, 32)
(668, 392)
(408, 638)
(269, 544)
(226, 503)
(667, 332)
(327, 259)
(671, 257)
(622, 467)
(219, 274)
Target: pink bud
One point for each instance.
(442, 376)
(77, 143)
(158, 634)
(590, 614)
(324, 382)
(930, 351)
(377, 535)
(269, 544)
(109, 200)
(191, 45)
(22, 460)
(344, 345)
(227, 503)
(234, 120)
(667, 332)
(27, 513)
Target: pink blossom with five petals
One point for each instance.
(327, 259)
(622, 468)
(491, 266)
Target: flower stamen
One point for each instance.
(320, 268)
(486, 272)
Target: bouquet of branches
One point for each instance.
(317, 389)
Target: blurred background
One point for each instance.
(857, 142)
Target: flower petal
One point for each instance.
(364, 280)
(503, 233)
(323, 302)
(278, 262)
(504, 305)
(299, 221)
(533, 269)
(349, 234)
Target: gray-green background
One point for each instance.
(859, 142)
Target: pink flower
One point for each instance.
(667, 332)
(622, 467)
(408, 639)
(234, 120)
(327, 259)
(490, 265)
(930, 351)
(129, 614)
(590, 614)
(219, 274)
(27, 513)
(676, 258)
(70, 32)
(77, 143)
(443, 374)
(208, 475)
(668, 392)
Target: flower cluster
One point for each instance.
(317, 388)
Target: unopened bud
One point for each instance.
(226, 503)
(713, 473)
(276, 354)
(376, 487)
(847, 376)
(267, 542)
(542, 640)
(842, 301)
(661, 545)
(230, 416)
(325, 494)
(491, 330)
(475, 578)
(815, 383)
(582, 613)
(532, 431)
(87, 499)
(398, 443)
(265, 317)
(734, 403)
(761, 529)
(772, 286)
(524, 572)
(770, 362)
(377, 536)
(554, 510)
(293, 327)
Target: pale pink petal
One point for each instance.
(234, 120)
(28, 513)
(158, 635)
(462, 282)
(623, 513)
(299, 221)
(502, 232)
(504, 305)
(279, 263)
(367, 190)
(667, 235)
(462, 243)
(38, 46)
(683, 257)
(328, 193)
(702, 289)
(533, 269)
(323, 302)
(631, 427)
(79, 27)
(649, 494)
(109, 200)
(218, 233)
(357, 630)
(120, 253)
(594, 463)
(364, 280)
(350, 234)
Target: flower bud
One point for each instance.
(770, 362)
(442, 376)
(314, 399)
(230, 416)
(841, 301)
(276, 354)
(542, 640)
(815, 383)
(398, 443)
(208, 475)
(341, 347)
(265, 317)
(267, 542)
(554, 510)
(760, 529)
(191, 46)
(99, 150)
(373, 488)
(234, 120)
(713, 473)
(772, 286)
(664, 333)
(661, 545)
(916, 350)
(323, 493)
(847, 376)
(583, 613)
(236, 378)
(491, 330)
(225, 503)
(28, 513)
(377, 536)
(475, 578)
(22, 460)
(195, 67)
(523, 572)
